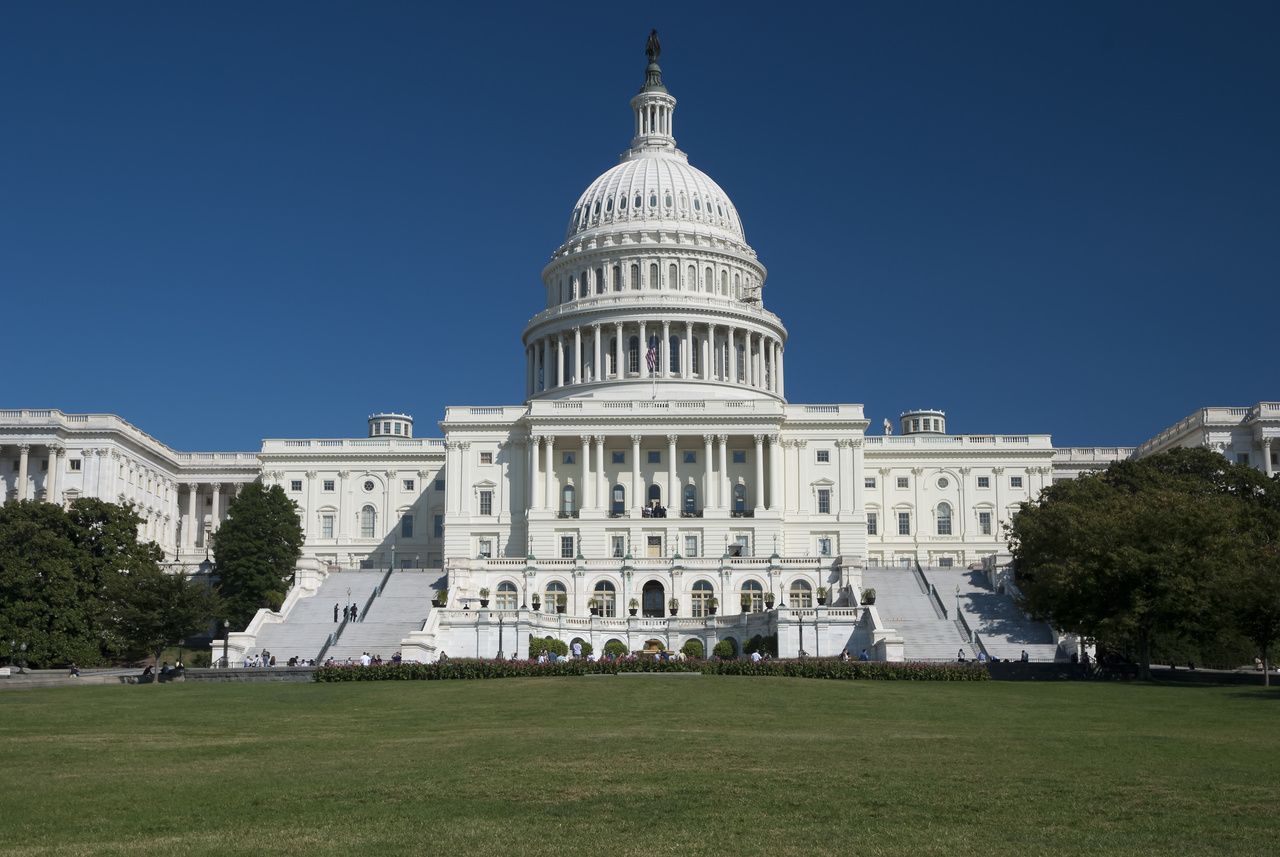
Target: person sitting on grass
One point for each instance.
(74, 671)
(960, 658)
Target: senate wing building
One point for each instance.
(655, 487)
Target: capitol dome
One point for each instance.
(656, 187)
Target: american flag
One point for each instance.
(651, 356)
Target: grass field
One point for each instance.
(644, 765)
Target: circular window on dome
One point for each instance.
(368, 485)
(697, 204)
(944, 482)
(653, 200)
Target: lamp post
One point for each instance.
(803, 653)
(500, 627)
(226, 632)
(22, 663)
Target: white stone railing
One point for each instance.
(1035, 441)
(391, 444)
(665, 300)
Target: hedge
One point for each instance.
(821, 668)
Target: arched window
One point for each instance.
(567, 501)
(703, 592)
(617, 276)
(557, 598)
(653, 600)
(673, 278)
(368, 523)
(673, 358)
(944, 519)
(633, 355)
(653, 275)
(607, 596)
(739, 498)
(724, 282)
(691, 279)
(689, 503)
(709, 281)
(506, 596)
(599, 281)
(801, 594)
(635, 273)
(585, 287)
(618, 502)
(752, 597)
(655, 494)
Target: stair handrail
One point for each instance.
(919, 575)
(333, 639)
(981, 646)
(382, 584)
(929, 589)
(963, 624)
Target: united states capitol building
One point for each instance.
(655, 486)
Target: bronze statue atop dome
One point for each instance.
(652, 48)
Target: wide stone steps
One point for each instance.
(400, 609)
(1004, 629)
(308, 625)
(905, 608)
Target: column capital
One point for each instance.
(586, 438)
(997, 470)
(775, 440)
(390, 474)
(885, 471)
(216, 486)
(600, 440)
(855, 443)
(636, 438)
(343, 474)
(56, 449)
(723, 438)
(311, 474)
(707, 438)
(963, 471)
(193, 486)
(24, 447)
(99, 451)
(801, 444)
(759, 439)
(917, 471)
(672, 439)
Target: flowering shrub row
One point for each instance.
(825, 668)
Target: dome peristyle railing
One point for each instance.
(660, 302)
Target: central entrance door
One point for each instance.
(653, 600)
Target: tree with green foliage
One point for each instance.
(1147, 548)
(76, 585)
(256, 550)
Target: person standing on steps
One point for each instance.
(355, 616)
(335, 612)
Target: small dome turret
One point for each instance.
(926, 421)
(390, 423)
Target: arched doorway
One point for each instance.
(653, 601)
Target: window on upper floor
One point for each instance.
(739, 456)
(873, 523)
(437, 526)
(690, 545)
(439, 484)
(902, 482)
(568, 458)
(73, 464)
(407, 484)
(486, 458)
(406, 526)
(1015, 481)
(566, 548)
(295, 485)
(824, 546)
(984, 523)
(326, 526)
(984, 481)
(618, 457)
(869, 482)
(824, 456)
(653, 456)
(944, 519)
(328, 485)
(486, 502)
(690, 457)
(824, 501)
(904, 523)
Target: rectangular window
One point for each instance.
(902, 482)
(655, 457)
(437, 526)
(690, 457)
(873, 523)
(984, 481)
(1015, 481)
(904, 523)
(295, 485)
(869, 482)
(946, 562)
(690, 545)
(824, 501)
(568, 457)
(743, 545)
(439, 484)
(1242, 458)
(408, 484)
(328, 484)
(984, 523)
(386, 428)
(486, 502)
(618, 457)
(74, 464)
(566, 547)
(326, 526)
(486, 458)
(486, 548)
(617, 545)
(824, 546)
(824, 456)
(406, 526)
(397, 428)
(739, 456)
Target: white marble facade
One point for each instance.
(655, 377)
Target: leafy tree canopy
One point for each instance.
(256, 548)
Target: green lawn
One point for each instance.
(643, 765)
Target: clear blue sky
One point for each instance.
(229, 221)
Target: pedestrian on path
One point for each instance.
(335, 612)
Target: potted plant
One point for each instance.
(594, 606)
(674, 606)
(484, 597)
(869, 595)
(712, 604)
(441, 599)
(633, 606)
(768, 600)
(822, 595)
(745, 600)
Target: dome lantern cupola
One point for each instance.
(653, 105)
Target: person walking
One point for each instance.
(335, 612)
(355, 616)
